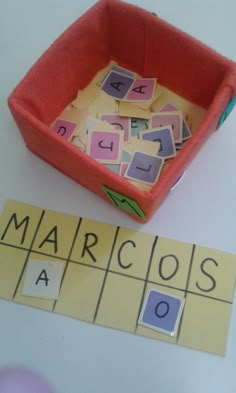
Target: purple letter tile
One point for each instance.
(164, 136)
(144, 168)
(117, 85)
(162, 312)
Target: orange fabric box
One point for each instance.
(152, 48)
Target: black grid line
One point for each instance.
(28, 253)
(146, 280)
(153, 282)
(190, 267)
(186, 290)
(33, 251)
(68, 258)
(117, 272)
(105, 277)
(192, 292)
(14, 246)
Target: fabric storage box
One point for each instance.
(152, 48)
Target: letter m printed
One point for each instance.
(17, 225)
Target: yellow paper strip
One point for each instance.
(109, 270)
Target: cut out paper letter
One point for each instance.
(142, 90)
(64, 128)
(43, 279)
(162, 312)
(163, 135)
(173, 119)
(117, 85)
(144, 168)
(119, 122)
(105, 146)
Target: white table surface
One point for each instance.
(80, 357)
